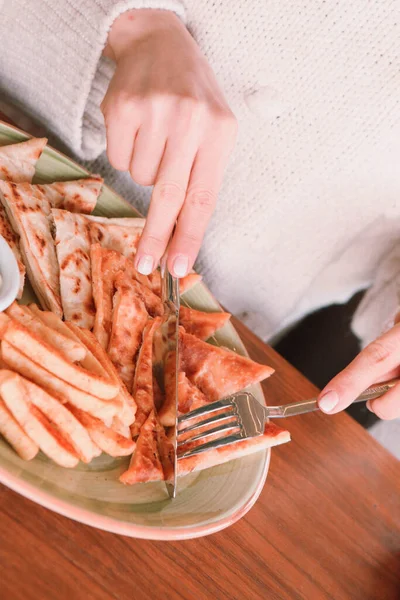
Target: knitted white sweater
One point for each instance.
(311, 199)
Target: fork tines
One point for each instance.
(209, 427)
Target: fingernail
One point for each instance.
(368, 404)
(328, 401)
(145, 264)
(181, 264)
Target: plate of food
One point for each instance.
(80, 411)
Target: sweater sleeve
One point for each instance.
(51, 63)
(377, 310)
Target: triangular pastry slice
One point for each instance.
(29, 213)
(17, 164)
(202, 324)
(73, 256)
(129, 320)
(77, 196)
(18, 161)
(146, 462)
(143, 391)
(218, 372)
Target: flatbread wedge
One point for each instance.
(77, 196)
(145, 465)
(106, 265)
(35, 424)
(188, 282)
(30, 216)
(7, 232)
(18, 161)
(151, 301)
(207, 373)
(121, 236)
(146, 461)
(202, 324)
(273, 436)
(218, 372)
(185, 283)
(189, 396)
(129, 320)
(72, 247)
(73, 254)
(143, 382)
(15, 435)
(28, 208)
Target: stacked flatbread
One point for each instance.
(101, 321)
(124, 310)
(17, 163)
(25, 219)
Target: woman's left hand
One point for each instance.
(379, 361)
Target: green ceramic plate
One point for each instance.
(207, 501)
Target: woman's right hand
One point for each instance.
(168, 123)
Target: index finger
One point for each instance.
(205, 182)
(166, 202)
(199, 204)
(375, 363)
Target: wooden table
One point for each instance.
(326, 526)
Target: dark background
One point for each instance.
(322, 345)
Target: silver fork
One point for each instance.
(241, 416)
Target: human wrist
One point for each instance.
(134, 25)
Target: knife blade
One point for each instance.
(171, 300)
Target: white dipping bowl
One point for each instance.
(9, 274)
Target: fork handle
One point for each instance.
(305, 406)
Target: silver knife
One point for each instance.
(171, 301)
